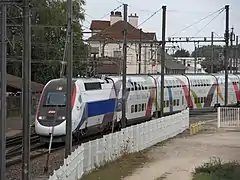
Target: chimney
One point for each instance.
(115, 17)
(133, 20)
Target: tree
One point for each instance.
(217, 61)
(48, 19)
(181, 53)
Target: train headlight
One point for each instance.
(62, 117)
(41, 117)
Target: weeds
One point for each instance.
(215, 169)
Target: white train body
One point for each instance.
(96, 103)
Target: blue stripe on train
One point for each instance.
(101, 107)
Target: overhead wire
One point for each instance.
(101, 17)
(150, 17)
(153, 14)
(216, 34)
(110, 12)
(143, 10)
(209, 22)
(137, 26)
(198, 21)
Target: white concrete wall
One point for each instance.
(132, 139)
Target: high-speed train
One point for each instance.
(96, 102)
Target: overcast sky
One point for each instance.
(179, 15)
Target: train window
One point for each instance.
(177, 102)
(205, 99)
(142, 87)
(55, 98)
(142, 107)
(135, 85)
(139, 108)
(196, 100)
(174, 102)
(145, 106)
(132, 108)
(139, 87)
(92, 86)
(202, 100)
(136, 108)
(182, 100)
(168, 103)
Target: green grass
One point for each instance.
(217, 170)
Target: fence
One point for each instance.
(14, 108)
(228, 117)
(96, 153)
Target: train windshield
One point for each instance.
(55, 99)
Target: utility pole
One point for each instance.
(195, 59)
(145, 59)
(26, 90)
(212, 58)
(124, 67)
(163, 58)
(140, 53)
(231, 58)
(68, 148)
(226, 54)
(3, 52)
(236, 55)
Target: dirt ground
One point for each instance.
(178, 157)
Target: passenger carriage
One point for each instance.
(97, 103)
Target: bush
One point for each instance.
(216, 170)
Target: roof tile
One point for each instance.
(99, 25)
(116, 32)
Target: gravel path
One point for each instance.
(180, 156)
(37, 166)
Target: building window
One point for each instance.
(117, 54)
(132, 108)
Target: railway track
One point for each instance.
(38, 149)
(14, 145)
(36, 152)
(17, 140)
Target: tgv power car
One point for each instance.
(96, 103)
